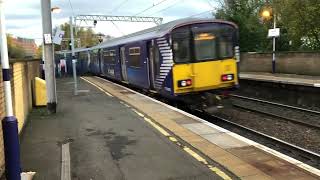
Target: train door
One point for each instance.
(155, 66)
(123, 64)
(117, 67)
(88, 62)
(137, 64)
(101, 62)
(151, 65)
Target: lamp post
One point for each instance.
(74, 60)
(268, 14)
(48, 56)
(274, 47)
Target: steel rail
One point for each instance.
(278, 116)
(277, 104)
(299, 153)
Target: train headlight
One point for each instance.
(185, 83)
(227, 77)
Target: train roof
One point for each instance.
(157, 31)
(154, 32)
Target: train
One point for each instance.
(182, 60)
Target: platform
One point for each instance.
(95, 137)
(292, 79)
(116, 133)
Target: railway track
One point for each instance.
(302, 121)
(301, 154)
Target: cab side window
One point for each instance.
(181, 45)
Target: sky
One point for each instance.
(23, 17)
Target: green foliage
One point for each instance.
(298, 20)
(252, 31)
(39, 52)
(301, 19)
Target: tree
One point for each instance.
(298, 20)
(14, 50)
(245, 13)
(83, 37)
(301, 19)
(39, 52)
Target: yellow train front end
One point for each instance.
(205, 57)
(205, 76)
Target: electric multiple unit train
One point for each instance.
(180, 60)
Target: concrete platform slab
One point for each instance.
(224, 140)
(292, 79)
(184, 120)
(201, 129)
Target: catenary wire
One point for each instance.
(119, 6)
(70, 3)
(154, 5)
(166, 8)
(118, 28)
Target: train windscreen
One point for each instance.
(213, 42)
(203, 42)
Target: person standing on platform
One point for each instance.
(63, 67)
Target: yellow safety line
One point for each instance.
(187, 149)
(137, 112)
(220, 173)
(195, 155)
(173, 139)
(96, 86)
(160, 129)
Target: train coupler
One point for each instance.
(215, 102)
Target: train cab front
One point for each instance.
(205, 58)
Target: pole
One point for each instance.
(48, 56)
(274, 47)
(9, 123)
(74, 60)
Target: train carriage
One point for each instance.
(181, 59)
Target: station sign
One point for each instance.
(58, 36)
(47, 39)
(274, 32)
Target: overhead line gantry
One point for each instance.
(95, 18)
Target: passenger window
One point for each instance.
(134, 60)
(109, 56)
